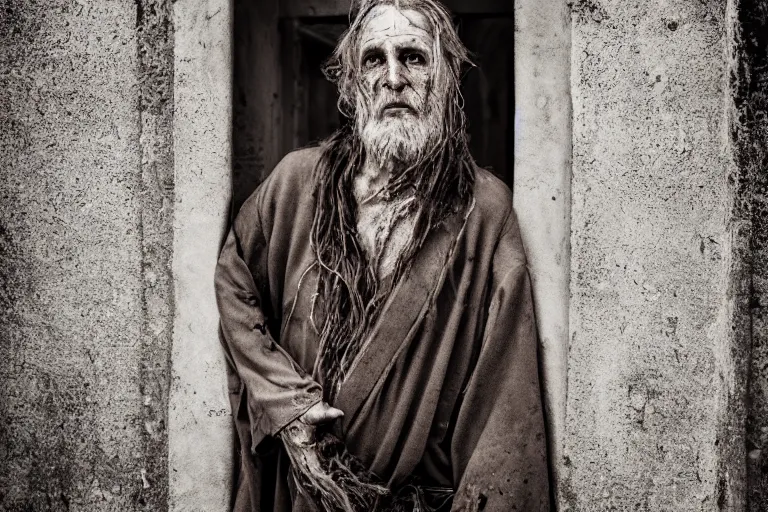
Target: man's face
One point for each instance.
(398, 109)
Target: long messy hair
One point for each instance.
(440, 183)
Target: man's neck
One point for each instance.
(371, 178)
(384, 226)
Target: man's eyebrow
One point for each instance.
(414, 43)
(410, 48)
(367, 47)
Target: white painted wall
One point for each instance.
(200, 423)
(542, 187)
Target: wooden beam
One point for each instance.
(318, 8)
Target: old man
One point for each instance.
(374, 289)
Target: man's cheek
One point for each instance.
(370, 80)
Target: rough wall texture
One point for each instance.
(155, 45)
(651, 378)
(82, 421)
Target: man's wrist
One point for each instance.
(299, 433)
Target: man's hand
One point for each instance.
(320, 413)
(327, 477)
(301, 431)
(300, 438)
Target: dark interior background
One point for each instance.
(282, 100)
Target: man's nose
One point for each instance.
(395, 79)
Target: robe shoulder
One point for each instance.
(294, 171)
(291, 178)
(494, 213)
(492, 195)
(289, 188)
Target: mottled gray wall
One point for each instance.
(656, 373)
(84, 175)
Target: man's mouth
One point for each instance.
(397, 108)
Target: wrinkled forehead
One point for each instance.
(386, 22)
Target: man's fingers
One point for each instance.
(314, 415)
(321, 412)
(332, 413)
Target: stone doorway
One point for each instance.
(232, 127)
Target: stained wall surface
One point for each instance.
(653, 371)
(82, 410)
(542, 192)
(71, 429)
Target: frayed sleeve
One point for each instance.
(278, 390)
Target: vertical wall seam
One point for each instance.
(156, 198)
(736, 349)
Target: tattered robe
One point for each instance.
(446, 385)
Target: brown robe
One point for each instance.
(446, 386)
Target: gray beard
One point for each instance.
(400, 140)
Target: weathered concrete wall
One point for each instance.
(542, 190)
(200, 423)
(83, 292)
(654, 389)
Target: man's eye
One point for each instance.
(414, 59)
(372, 60)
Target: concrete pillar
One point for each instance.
(200, 422)
(83, 291)
(655, 373)
(542, 189)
